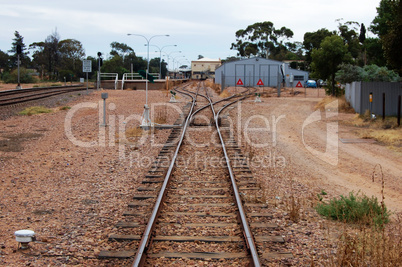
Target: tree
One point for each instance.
(4, 59)
(385, 14)
(262, 39)
(46, 55)
(328, 57)
(122, 59)
(392, 40)
(120, 49)
(114, 65)
(362, 35)
(24, 58)
(71, 54)
(388, 26)
(348, 31)
(57, 58)
(374, 51)
(312, 40)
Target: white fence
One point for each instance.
(111, 75)
(134, 76)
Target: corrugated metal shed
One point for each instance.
(358, 94)
(251, 70)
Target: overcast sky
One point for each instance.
(197, 27)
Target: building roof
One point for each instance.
(205, 59)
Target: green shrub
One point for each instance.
(26, 76)
(355, 209)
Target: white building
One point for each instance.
(204, 68)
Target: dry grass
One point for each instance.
(385, 131)
(225, 94)
(134, 132)
(161, 115)
(131, 135)
(213, 86)
(343, 105)
(34, 110)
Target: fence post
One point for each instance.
(383, 106)
(399, 110)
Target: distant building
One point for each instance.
(204, 68)
(250, 71)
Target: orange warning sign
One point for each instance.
(299, 84)
(239, 82)
(260, 82)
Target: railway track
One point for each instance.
(14, 97)
(194, 198)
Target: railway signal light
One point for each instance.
(19, 49)
(149, 76)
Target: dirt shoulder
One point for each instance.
(310, 141)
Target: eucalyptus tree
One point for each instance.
(262, 39)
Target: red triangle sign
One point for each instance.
(239, 82)
(299, 84)
(260, 82)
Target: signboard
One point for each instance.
(260, 82)
(239, 82)
(86, 66)
(299, 84)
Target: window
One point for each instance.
(298, 78)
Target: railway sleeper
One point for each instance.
(206, 239)
(200, 255)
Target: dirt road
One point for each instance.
(311, 142)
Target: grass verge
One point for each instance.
(34, 110)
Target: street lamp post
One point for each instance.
(160, 58)
(146, 121)
(168, 55)
(173, 65)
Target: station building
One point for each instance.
(258, 71)
(204, 68)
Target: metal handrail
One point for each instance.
(107, 75)
(134, 76)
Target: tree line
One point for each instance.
(343, 55)
(55, 59)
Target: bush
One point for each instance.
(26, 76)
(371, 73)
(355, 209)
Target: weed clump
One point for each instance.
(35, 110)
(355, 209)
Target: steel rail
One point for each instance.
(32, 97)
(246, 228)
(19, 91)
(139, 259)
(216, 102)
